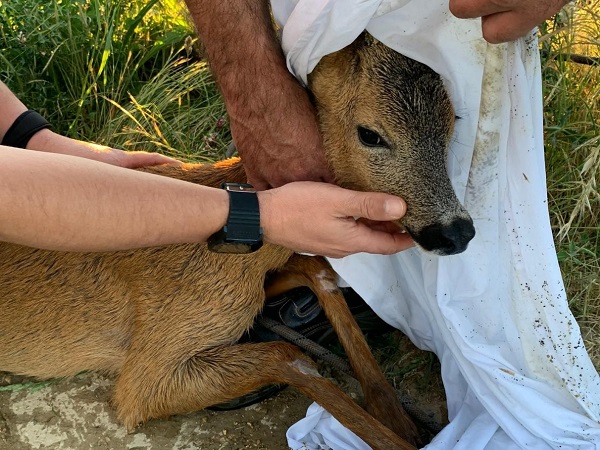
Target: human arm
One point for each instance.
(61, 202)
(272, 121)
(47, 141)
(506, 20)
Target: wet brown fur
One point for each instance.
(165, 321)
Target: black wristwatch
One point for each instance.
(242, 232)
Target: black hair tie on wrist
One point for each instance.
(23, 129)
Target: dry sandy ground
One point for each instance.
(75, 414)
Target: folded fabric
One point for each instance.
(514, 366)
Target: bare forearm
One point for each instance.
(66, 203)
(46, 140)
(61, 202)
(11, 108)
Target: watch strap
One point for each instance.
(242, 232)
(243, 222)
(23, 129)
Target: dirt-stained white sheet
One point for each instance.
(515, 369)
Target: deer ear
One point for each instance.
(368, 39)
(336, 67)
(365, 39)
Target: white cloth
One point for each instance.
(514, 366)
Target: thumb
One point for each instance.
(379, 206)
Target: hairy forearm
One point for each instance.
(61, 202)
(242, 49)
(272, 121)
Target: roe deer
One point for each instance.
(166, 321)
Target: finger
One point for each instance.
(135, 160)
(399, 242)
(377, 206)
(381, 242)
(507, 26)
(387, 226)
(163, 159)
(469, 9)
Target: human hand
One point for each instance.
(318, 218)
(506, 20)
(51, 142)
(283, 142)
(134, 160)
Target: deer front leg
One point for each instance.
(146, 390)
(380, 397)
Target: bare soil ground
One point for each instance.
(76, 414)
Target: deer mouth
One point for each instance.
(445, 239)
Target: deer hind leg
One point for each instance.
(380, 397)
(221, 374)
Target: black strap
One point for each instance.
(244, 215)
(23, 129)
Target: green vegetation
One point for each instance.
(126, 74)
(130, 74)
(572, 125)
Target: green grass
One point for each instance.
(178, 113)
(121, 73)
(129, 74)
(31, 386)
(572, 135)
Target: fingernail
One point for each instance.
(394, 207)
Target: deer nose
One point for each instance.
(447, 239)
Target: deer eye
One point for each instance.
(370, 138)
